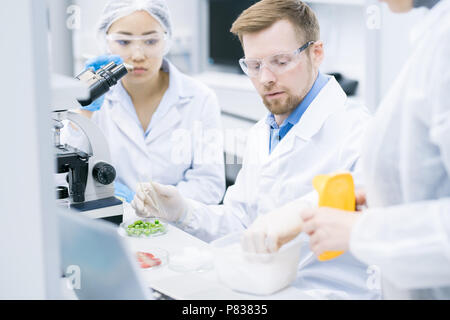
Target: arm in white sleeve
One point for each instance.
(209, 222)
(351, 150)
(440, 105)
(205, 180)
(410, 243)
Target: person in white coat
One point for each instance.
(160, 124)
(405, 160)
(311, 129)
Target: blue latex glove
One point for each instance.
(96, 63)
(123, 192)
(101, 61)
(96, 105)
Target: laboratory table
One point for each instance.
(191, 285)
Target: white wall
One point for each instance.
(84, 37)
(343, 31)
(29, 250)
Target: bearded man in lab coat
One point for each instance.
(404, 228)
(310, 129)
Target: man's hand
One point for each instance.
(270, 231)
(156, 200)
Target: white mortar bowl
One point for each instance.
(259, 274)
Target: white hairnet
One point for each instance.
(116, 9)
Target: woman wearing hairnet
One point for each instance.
(406, 164)
(160, 124)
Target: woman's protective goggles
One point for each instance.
(125, 45)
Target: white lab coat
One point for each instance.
(325, 140)
(406, 165)
(183, 145)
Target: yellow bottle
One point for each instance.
(335, 191)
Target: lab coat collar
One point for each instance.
(426, 24)
(177, 95)
(177, 91)
(125, 117)
(329, 100)
(119, 94)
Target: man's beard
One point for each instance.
(277, 107)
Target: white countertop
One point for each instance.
(192, 285)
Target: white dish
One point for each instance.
(191, 259)
(260, 274)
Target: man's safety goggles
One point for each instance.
(278, 63)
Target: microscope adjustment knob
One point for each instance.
(104, 173)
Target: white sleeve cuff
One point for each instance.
(187, 220)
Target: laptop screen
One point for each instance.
(96, 261)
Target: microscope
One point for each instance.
(90, 175)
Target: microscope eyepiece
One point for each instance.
(101, 81)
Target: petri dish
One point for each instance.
(143, 228)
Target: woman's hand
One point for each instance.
(329, 229)
(361, 201)
(95, 64)
(101, 61)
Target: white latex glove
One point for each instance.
(161, 201)
(270, 231)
